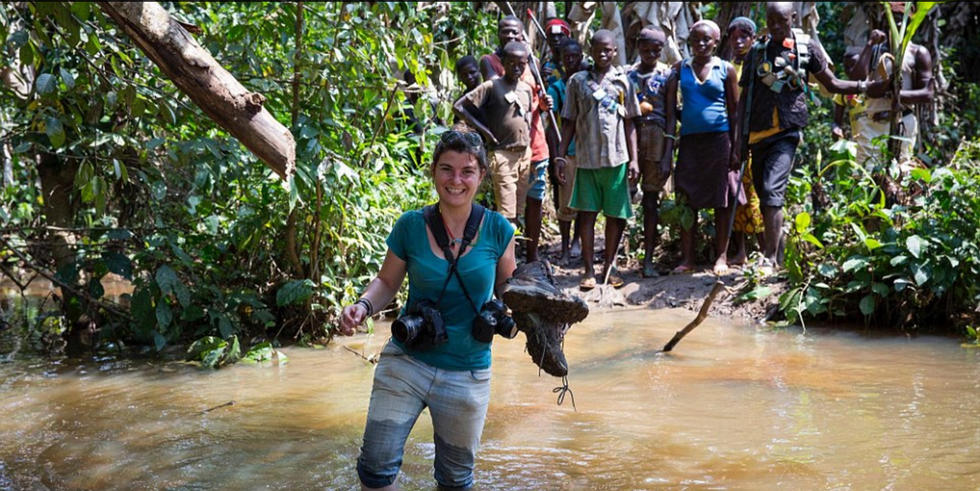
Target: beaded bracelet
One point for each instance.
(367, 305)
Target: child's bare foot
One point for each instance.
(565, 258)
(576, 250)
(738, 260)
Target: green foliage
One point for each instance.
(214, 352)
(173, 204)
(907, 265)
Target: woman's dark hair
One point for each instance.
(462, 142)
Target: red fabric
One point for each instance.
(567, 29)
(539, 145)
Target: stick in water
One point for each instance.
(719, 286)
(208, 410)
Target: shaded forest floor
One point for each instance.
(686, 291)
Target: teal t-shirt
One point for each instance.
(427, 273)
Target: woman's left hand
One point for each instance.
(351, 317)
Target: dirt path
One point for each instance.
(670, 291)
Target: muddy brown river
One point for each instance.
(734, 406)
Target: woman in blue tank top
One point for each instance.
(707, 162)
(449, 373)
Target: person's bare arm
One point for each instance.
(864, 59)
(505, 267)
(567, 133)
(921, 91)
(633, 172)
(670, 118)
(731, 104)
(378, 293)
(486, 69)
(461, 108)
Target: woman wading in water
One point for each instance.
(456, 256)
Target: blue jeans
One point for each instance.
(403, 386)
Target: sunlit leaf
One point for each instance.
(914, 245)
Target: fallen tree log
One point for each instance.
(196, 73)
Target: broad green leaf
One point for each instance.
(872, 243)
(914, 245)
(859, 231)
(224, 326)
(164, 314)
(802, 222)
(921, 174)
(118, 264)
(867, 305)
(234, 351)
(67, 78)
(898, 260)
(166, 279)
(813, 240)
(881, 289)
(213, 357)
(260, 352)
(827, 270)
(55, 131)
(46, 84)
(95, 287)
(855, 263)
(294, 292)
(159, 341)
(921, 276)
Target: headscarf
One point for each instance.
(742, 22)
(711, 25)
(565, 28)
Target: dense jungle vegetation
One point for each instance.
(109, 168)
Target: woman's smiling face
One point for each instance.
(457, 176)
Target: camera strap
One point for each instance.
(434, 220)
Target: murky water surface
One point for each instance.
(732, 407)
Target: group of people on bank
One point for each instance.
(725, 129)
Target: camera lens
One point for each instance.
(406, 328)
(506, 326)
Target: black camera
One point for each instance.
(493, 319)
(421, 327)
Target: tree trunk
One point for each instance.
(211, 87)
(57, 178)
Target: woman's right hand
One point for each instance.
(351, 317)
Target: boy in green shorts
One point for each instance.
(599, 111)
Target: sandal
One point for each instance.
(682, 269)
(720, 270)
(615, 281)
(587, 283)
